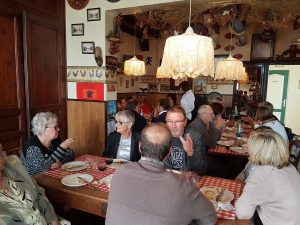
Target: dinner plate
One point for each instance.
(211, 193)
(120, 161)
(77, 180)
(226, 143)
(75, 166)
(238, 149)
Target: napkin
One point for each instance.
(106, 180)
(226, 206)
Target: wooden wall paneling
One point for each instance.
(46, 68)
(12, 102)
(87, 124)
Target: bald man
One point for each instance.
(145, 193)
(204, 125)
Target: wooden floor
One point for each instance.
(77, 217)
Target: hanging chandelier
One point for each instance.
(230, 68)
(188, 55)
(134, 66)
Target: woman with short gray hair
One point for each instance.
(44, 150)
(123, 143)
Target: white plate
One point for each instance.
(120, 161)
(75, 166)
(238, 149)
(226, 143)
(74, 180)
(211, 194)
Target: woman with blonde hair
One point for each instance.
(273, 188)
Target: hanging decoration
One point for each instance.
(188, 55)
(134, 66)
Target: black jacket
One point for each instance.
(139, 123)
(113, 142)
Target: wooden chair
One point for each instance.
(295, 153)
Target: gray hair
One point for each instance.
(126, 115)
(203, 108)
(40, 121)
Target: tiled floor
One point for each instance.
(77, 217)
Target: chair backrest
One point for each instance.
(295, 153)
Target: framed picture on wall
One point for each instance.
(262, 48)
(88, 47)
(77, 29)
(93, 14)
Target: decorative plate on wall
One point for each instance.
(78, 4)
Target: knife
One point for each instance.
(84, 181)
(220, 195)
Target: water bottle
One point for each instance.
(239, 132)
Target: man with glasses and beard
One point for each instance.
(187, 150)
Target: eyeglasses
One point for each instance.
(176, 122)
(119, 122)
(55, 127)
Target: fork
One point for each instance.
(220, 195)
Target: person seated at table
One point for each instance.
(210, 131)
(22, 201)
(203, 125)
(145, 108)
(160, 112)
(124, 142)
(273, 187)
(121, 104)
(217, 108)
(144, 192)
(45, 150)
(264, 117)
(187, 101)
(140, 121)
(188, 150)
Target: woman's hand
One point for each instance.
(67, 143)
(55, 165)
(187, 145)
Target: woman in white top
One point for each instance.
(273, 188)
(124, 142)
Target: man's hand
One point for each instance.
(55, 165)
(187, 145)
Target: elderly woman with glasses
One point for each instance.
(123, 143)
(272, 189)
(44, 150)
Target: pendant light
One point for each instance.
(230, 68)
(188, 55)
(134, 66)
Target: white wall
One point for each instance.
(292, 118)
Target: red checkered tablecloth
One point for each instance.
(232, 185)
(225, 150)
(94, 161)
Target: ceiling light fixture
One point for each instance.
(188, 55)
(230, 68)
(134, 66)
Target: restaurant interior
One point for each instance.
(73, 58)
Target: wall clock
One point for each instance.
(78, 4)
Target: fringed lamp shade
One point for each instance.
(245, 77)
(230, 69)
(134, 67)
(188, 55)
(159, 73)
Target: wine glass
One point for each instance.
(109, 160)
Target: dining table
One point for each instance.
(93, 197)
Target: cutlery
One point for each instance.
(84, 181)
(220, 195)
